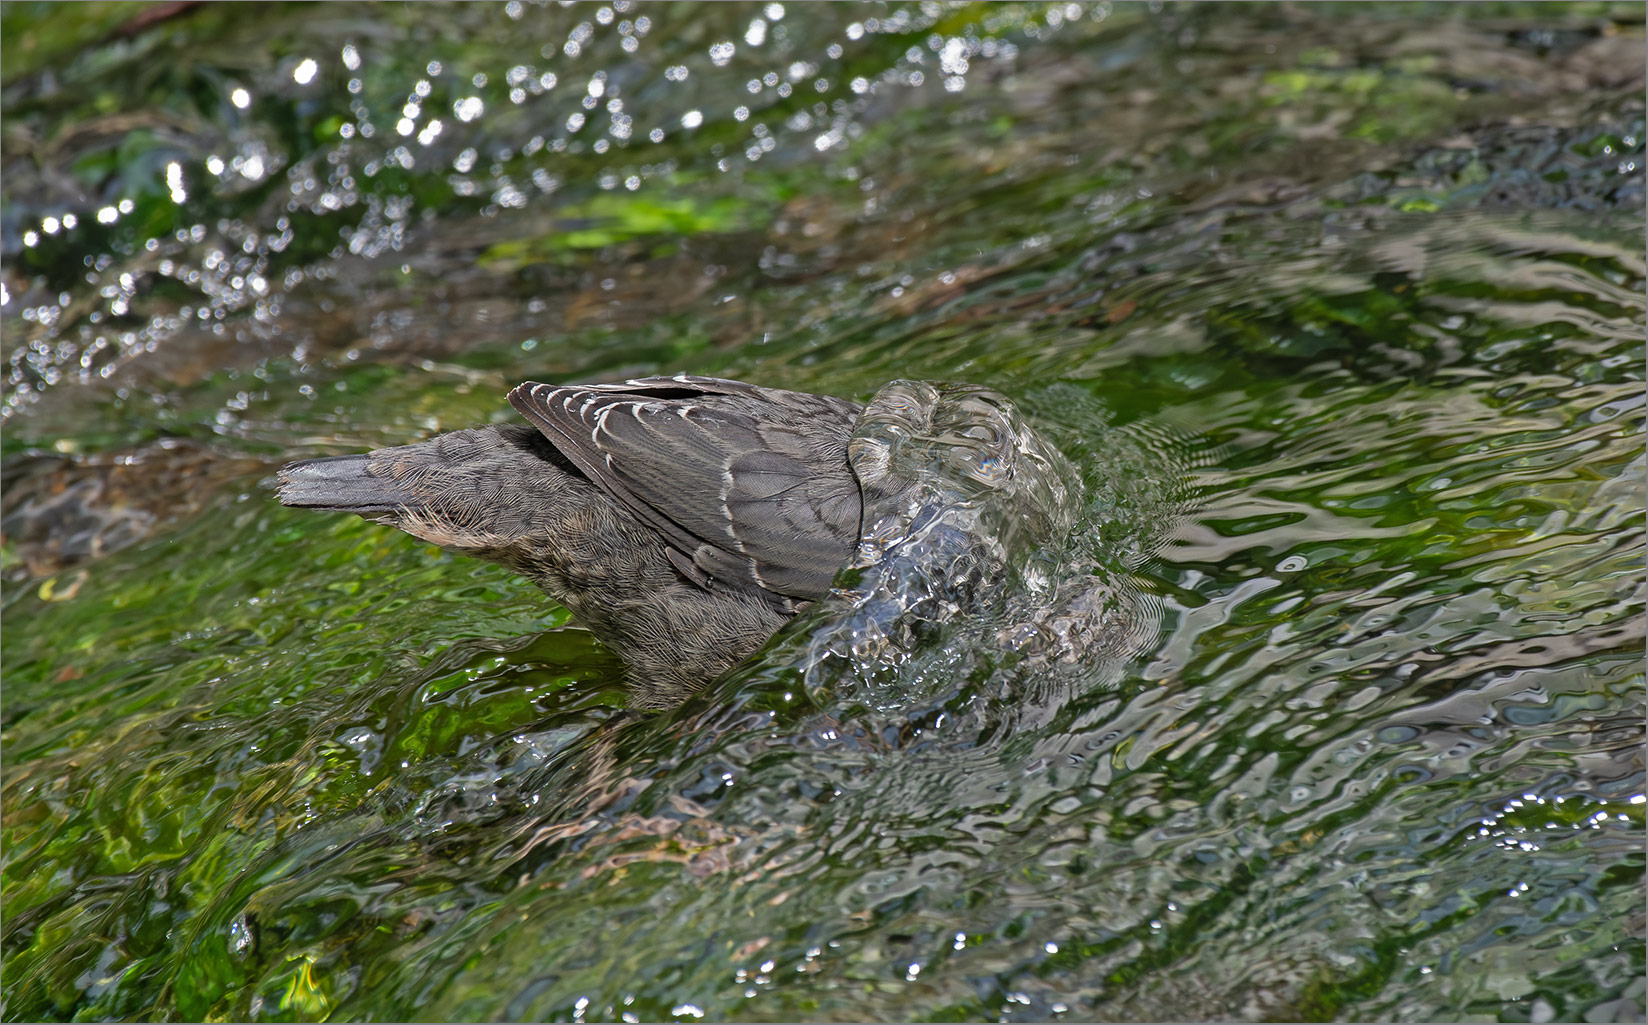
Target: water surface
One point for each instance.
(1335, 314)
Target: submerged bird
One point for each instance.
(684, 520)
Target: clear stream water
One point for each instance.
(1335, 314)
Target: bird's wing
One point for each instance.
(750, 487)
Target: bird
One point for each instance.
(682, 520)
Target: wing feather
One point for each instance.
(750, 487)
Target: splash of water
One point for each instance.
(972, 554)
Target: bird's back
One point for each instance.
(749, 487)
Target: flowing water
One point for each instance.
(1301, 679)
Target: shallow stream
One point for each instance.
(1334, 313)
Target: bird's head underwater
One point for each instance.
(684, 520)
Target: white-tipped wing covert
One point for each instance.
(750, 487)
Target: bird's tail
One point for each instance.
(342, 484)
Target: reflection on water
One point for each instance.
(333, 157)
(1306, 682)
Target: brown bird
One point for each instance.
(682, 519)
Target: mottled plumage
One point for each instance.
(682, 520)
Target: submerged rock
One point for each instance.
(62, 511)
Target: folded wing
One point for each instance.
(749, 487)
